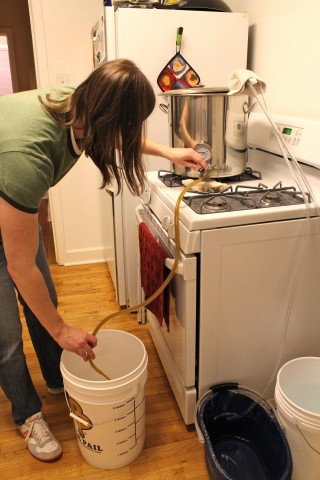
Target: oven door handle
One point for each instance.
(185, 268)
(169, 264)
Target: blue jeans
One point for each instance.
(15, 378)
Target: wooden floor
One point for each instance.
(172, 452)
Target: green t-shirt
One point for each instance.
(35, 152)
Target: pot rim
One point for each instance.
(196, 91)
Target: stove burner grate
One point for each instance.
(171, 179)
(238, 196)
(244, 198)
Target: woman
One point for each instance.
(42, 134)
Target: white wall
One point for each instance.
(61, 33)
(284, 49)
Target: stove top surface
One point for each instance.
(265, 192)
(260, 197)
(238, 195)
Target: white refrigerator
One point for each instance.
(214, 44)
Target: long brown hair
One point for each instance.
(111, 106)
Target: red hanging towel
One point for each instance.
(153, 273)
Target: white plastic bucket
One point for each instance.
(297, 397)
(109, 415)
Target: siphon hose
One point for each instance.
(165, 283)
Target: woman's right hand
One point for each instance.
(77, 341)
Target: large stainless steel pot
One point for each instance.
(213, 123)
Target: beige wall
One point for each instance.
(284, 49)
(14, 14)
(61, 32)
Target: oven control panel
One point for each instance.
(300, 134)
(292, 135)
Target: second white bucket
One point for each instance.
(109, 415)
(297, 397)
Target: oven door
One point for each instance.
(176, 348)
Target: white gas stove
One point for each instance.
(273, 170)
(245, 298)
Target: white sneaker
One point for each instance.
(40, 441)
(55, 390)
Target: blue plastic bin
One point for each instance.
(243, 439)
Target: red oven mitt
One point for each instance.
(153, 273)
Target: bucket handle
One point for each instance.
(81, 420)
(78, 419)
(304, 438)
(73, 415)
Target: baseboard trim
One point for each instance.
(82, 257)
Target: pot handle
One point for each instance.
(164, 108)
(246, 109)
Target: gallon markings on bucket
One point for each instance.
(133, 420)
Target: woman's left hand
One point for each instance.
(187, 157)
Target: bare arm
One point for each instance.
(20, 239)
(181, 156)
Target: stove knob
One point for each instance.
(165, 223)
(145, 197)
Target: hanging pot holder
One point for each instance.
(178, 73)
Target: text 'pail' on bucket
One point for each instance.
(109, 415)
(297, 396)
